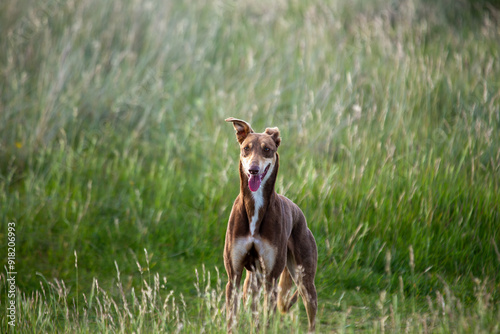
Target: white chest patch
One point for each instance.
(242, 246)
(258, 201)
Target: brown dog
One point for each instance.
(267, 233)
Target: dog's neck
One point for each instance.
(256, 203)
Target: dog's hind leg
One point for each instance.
(247, 285)
(285, 297)
(303, 269)
(309, 297)
(251, 287)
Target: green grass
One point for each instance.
(113, 147)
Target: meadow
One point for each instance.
(118, 170)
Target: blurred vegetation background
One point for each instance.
(113, 140)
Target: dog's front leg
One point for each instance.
(232, 299)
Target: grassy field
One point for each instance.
(119, 172)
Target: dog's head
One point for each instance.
(258, 151)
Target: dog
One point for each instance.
(267, 233)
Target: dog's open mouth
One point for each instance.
(254, 180)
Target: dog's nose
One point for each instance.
(253, 170)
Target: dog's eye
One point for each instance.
(266, 149)
(247, 148)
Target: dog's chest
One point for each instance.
(258, 201)
(253, 252)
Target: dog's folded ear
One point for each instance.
(275, 134)
(242, 128)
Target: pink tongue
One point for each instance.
(254, 182)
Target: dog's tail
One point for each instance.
(285, 297)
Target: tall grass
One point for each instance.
(154, 308)
(112, 140)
